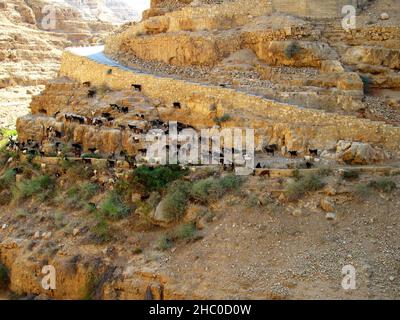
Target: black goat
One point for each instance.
(91, 93)
(137, 87)
(293, 154)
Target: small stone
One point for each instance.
(75, 231)
(37, 235)
(330, 216)
(282, 197)
(385, 16)
(297, 213)
(136, 197)
(47, 235)
(327, 205)
(391, 278)
(4, 226)
(329, 190)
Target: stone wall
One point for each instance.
(314, 8)
(278, 121)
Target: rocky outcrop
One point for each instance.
(29, 51)
(360, 153)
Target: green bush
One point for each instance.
(101, 229)
(219, 120)
(90, 156)
(4, 135)
(185, 232)
(176, 201)
(155, 179)
(59, 219)
(210, 189)
(362, 190)
(164, 243)
(7, 179)
(5, 155)
(383, 184)
(296, 189)
(292, 49)
(4, 278)
(350, 175)
(41, 187)
(114, 207)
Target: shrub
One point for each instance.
(325, 171)
(59, 219)
(92, 283)
(201, 190)
(296, 174)
(183, 232)
(101, 230)
(383, 184)
(78, 196)
(362, 190)
(292, 49)
(21, 212)
(88, 190)
(41, 187)
(90, 156)
(164, 243)
(7, 179)
(219, 120)
(5, 155)
(4, 135)
(350, 175)
(154, 179)
(114, 207)
(176, 200)
(209, 189)
(297, 189)
(4, 278)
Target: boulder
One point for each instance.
(327, 205)
(329, 190)
(330, 216)
(385, 16)
(360, 153)
(158, 216)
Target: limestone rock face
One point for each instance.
(158, 216)
(29, 51)
(373, 56)
(359, 153)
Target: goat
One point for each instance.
(269, 150)
(137, 87)
(79, 119)
(98, 121)
(293, 154)
(91, 93)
